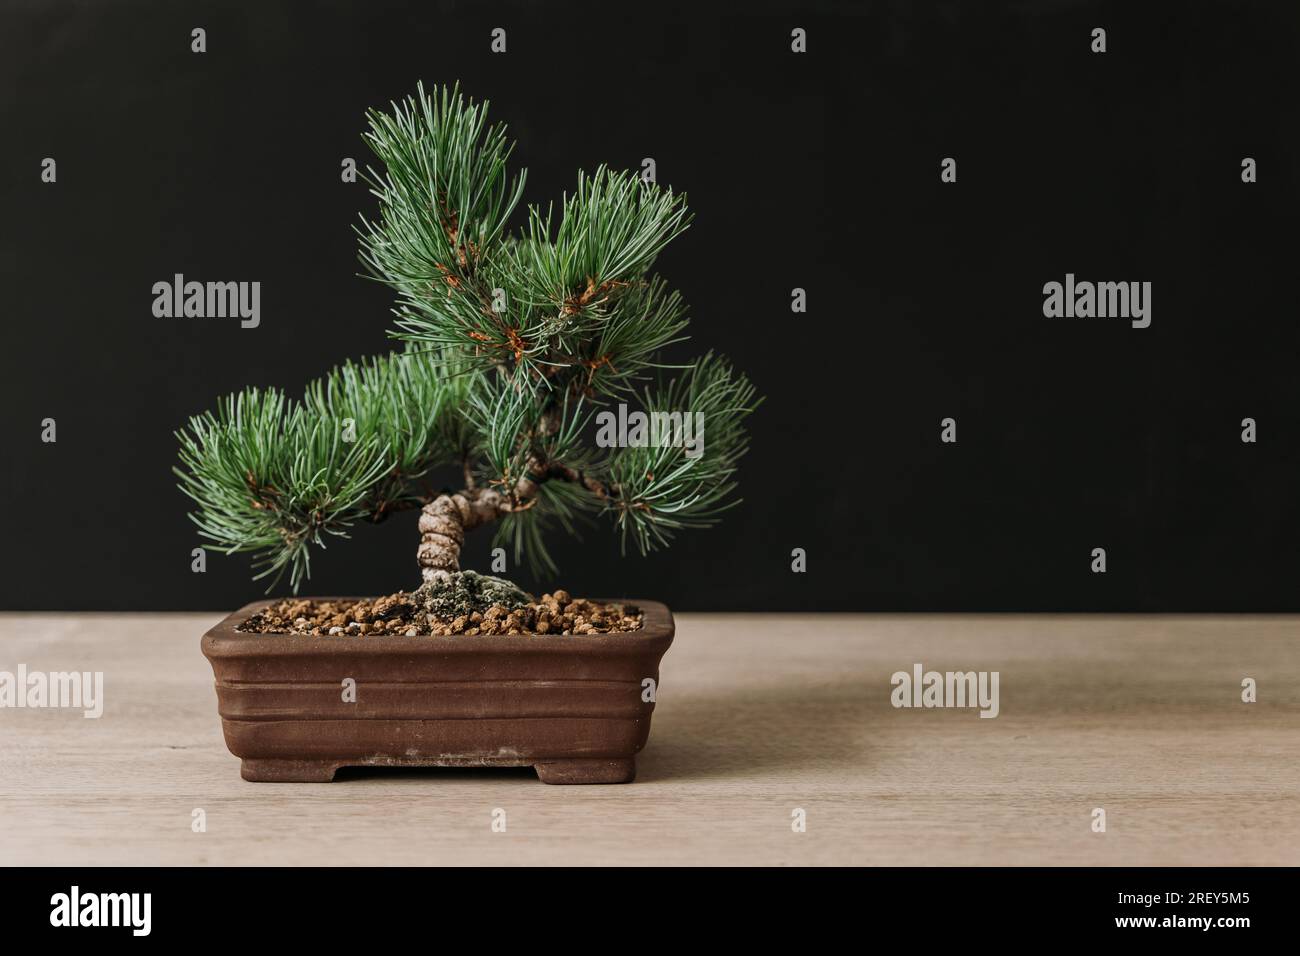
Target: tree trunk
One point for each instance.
(445, 519)
(443, 523)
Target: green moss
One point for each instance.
(467, 591)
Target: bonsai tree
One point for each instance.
(516, 344)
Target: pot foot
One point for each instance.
(288, 771)
(618, 770)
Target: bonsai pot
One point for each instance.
(573, 707)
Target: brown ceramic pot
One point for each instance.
(574, 707)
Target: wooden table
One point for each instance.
(757, 716)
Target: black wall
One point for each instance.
(819, 171)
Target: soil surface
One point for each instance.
(407, 613)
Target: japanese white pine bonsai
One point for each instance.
(514, 341)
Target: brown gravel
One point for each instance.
(400, 614)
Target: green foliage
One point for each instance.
(444, 201)
(513, 341)
(610, 233)
(565, 303)
(523, 533)
(274, 476)
(663, 489)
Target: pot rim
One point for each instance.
(223, 640)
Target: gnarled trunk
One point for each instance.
(445, 519)
(443, 523)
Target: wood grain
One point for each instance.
(1141, 716)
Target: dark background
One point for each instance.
(817, 170)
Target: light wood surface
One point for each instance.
(757, 716)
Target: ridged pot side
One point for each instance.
(297, 708)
